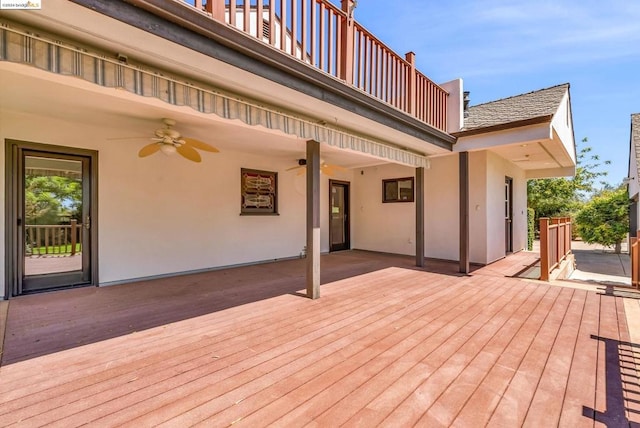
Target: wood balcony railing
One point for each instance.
(56, 240)
(634, 251)
(555, 244)
(328, 38)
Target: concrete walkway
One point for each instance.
(597, 264)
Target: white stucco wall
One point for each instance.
(390, 227)
(497, 169)
(563, 125)
(634, 186)
(478, 209)
(377, 226)
(442, 209)
(161, 215)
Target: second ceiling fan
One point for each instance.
(325, 168)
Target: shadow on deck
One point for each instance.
(44, 323)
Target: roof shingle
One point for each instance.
(536, 104)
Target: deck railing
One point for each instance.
(53, 239)
(327, 37)
(555, 244)
(634, 251)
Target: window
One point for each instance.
(397, 190)
(259, 192)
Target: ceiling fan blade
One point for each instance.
(327, 170)
(295, 167)
(197, 144)
(302, 171)
(189, 153)
(149, 149)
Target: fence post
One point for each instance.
(347, 42)
(568, 235)
(559, 240)
(411, 84)
(544, 249)
(74, 234)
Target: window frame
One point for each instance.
(386, 199)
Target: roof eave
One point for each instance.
(504, 126)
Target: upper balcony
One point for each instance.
(326, 37)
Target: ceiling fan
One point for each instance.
(169, 141)
(325, 168)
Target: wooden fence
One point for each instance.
(555, 244)
(328, 38)
(634, 251)
(53, 239)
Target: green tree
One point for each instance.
(605, 218)
(49, 197)
(563, 197)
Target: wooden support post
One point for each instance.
(544, 249)
(313, 219)
(347, 46)
(419, 198)
(464, 211)
(74, 236)
(412, 83)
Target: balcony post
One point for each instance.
(216, 9)
(411, 84)
(347, 42)
(544, 249)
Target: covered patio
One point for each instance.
(388, 344)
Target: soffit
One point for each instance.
(38, 93)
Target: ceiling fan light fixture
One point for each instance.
(168, 149)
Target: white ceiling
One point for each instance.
(131, 116)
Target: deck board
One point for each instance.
(386, 344)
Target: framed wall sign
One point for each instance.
(259, 192)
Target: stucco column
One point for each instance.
(313, 219)
(419, 198)
(464, 211)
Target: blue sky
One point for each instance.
(503, 47)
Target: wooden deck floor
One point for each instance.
(386, 344)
